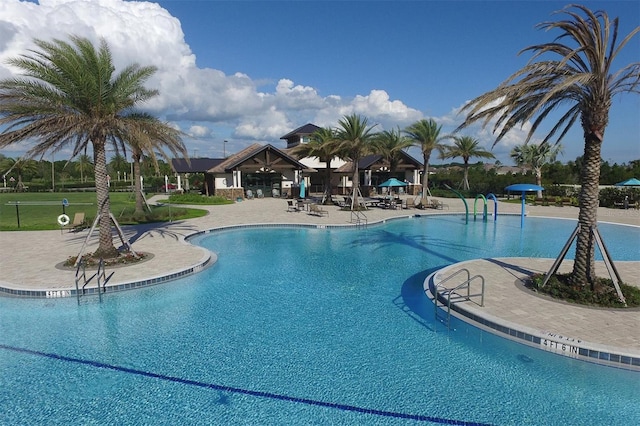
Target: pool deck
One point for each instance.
(30, 266)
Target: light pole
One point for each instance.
(224, 149)
(53, 174)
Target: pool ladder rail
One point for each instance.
(101, 279)
(359, 218)
(459, 293)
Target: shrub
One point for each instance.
(603, 294)
(197, 199)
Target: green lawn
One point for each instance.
(45, 217)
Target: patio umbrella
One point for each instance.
(629, 182)
(523, 188)
(302, 188)
(390, 183)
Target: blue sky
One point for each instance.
(251, 71)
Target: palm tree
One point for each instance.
(580, 78)
(322, 145)
(354, 140)
(20, 167)
(425, 134)
(389, 144)
(536, 156)
(148, 138)
(84, 164)
(71, 95)
(465, 147)
(118, 164)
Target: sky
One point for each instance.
(252, 71)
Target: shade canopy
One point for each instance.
(629, 182)
(392, 182)
(524, 187)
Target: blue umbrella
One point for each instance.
(302, 188)
(390, 183)
(629, 182)
(523, 188)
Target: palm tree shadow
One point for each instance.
(383, 239)
(174, 230)
(414, 302)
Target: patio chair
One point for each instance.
(259, 193)
(291, 207)
(79, 222)
(249, 194)
(316, 210)
(275, 193)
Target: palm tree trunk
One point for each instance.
(465, 182)
(425, 179)
(327, 185)
(137, 187)
(355, 184)
(584, 264)
(105, 248)
(538, 172)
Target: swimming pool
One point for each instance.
(305, 326)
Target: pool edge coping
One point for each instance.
(543, 340)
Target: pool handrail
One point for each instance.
(484, 211)
(466, 206)
(495, 205)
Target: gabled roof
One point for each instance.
(307, 129)
(367, 162)
(195, 165)
(252, 157)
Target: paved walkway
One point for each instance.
(32, 261)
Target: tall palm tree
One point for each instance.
(71, 95)
(536, 156)
(425, 134)
(465, 147)
(149, 137)
(389, 144)
(323, 145)
(84, 164)
(573, 71)
(354, 139)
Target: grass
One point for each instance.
(603, 295)
(45, 217)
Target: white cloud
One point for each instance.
(485, 134)
(199, 131)
(147, 34)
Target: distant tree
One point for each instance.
(71, 95)
(536, 156)
(354, 139)
(465, 147)
(83, 164)
(20, 167)
(573, 71)
(322, 145)
(149, 138)
(425, 134)
(390, 144)
(118, 165)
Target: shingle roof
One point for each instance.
(251, 151)
(307, 129)
(368, 161)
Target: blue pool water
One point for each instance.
(306, 326)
